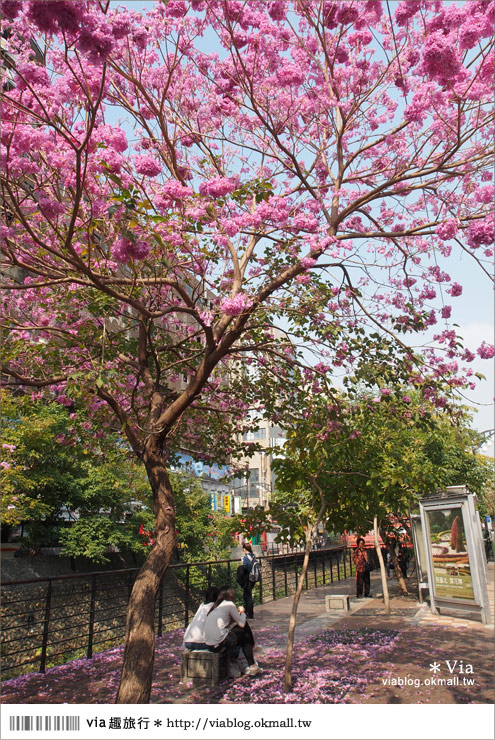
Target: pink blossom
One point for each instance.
(219, 186)
(455, 290)
(206, 317)
(221, 240)
(438, 275)
(486, 351)
(230, 226)
(306, 222)
(9, 447)
(176, 8)
(303, 279)
(277, 10)
(64, 400)
(124, 250)
(69, 14)
(113, 161)
(446, 311)
(6, 465)
(329, 14)
(147, 165)
(10, 8)
(161, 203)
(240, 39)
(440, 59)
(485, 194)
(374, 11)
(176, 190)
(113, 136)
(97, 43)
(347, 12)
(140, 38)
(235, 305)
(308, 262)
(290, 74)
(469, 35)
(43, 15)
(51, 208)
(406, 9)
(121, 26)
(481, 232)
(385, 391)
(321, 367)
(431, 319)
(447, 229)
(33, 75)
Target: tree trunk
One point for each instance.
(400, 578)
(386, 597)
(292, 620)
(139, 653)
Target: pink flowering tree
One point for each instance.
(191, 192)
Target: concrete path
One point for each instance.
(312, 617)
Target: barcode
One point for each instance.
(27, 723)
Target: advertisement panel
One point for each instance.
(452, 578)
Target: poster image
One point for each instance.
(451, 567)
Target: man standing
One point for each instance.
(360, 558)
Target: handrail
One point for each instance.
(52, 627)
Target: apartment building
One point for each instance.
(255, 487)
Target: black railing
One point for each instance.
(49, 621)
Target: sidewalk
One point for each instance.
(422, 639)
(363, 656)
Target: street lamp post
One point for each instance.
(487, 442)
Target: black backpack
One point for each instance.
(241, 575)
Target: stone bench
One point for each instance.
(337, 602)
(201, 666)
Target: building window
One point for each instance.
(254, 489)
(259, 433)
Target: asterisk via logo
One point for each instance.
(435, 667)
(158, 723)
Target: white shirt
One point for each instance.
(195, 631)
(220, 621)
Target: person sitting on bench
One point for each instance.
(226, 627)
(194, 636)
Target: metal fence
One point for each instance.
(52, 620)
